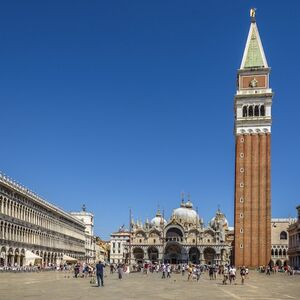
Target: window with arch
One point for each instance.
(283, 235)
(256, 110)
(250, 113)
(244, 111)
(272, 252)
(262, 110)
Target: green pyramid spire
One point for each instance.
(254, 56)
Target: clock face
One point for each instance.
(249, 82)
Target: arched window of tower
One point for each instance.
(245, 111)
(250, 113)
(262, 110)
(256, 110)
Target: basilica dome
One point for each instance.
(185, 213)
(158, 220)
(218, 220)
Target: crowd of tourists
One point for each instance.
(228, 274)
(29, 268)
(96, 271)
(269, 269)
(194, 271)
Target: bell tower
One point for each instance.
(253, 119)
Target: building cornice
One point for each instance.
(10, 183)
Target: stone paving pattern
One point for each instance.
(62, 286)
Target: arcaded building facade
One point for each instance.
(182, 239)
(280, 240)
(29, 223)
(294, 242)
(253, 119)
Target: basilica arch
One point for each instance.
(153, 254)
(138, 254)
(173, 253)
(174, 234)
(194, 255)
(209, 255)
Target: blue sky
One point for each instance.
(120, 104)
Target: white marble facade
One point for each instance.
(182, 239)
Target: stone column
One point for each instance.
(217, 259)
(202, 260)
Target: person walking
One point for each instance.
(120, 271)
(76, 270)
(112, 269)
(183, 270)
(211, 273)
(190, 272)
(168, 271)
(232, 273)
(243, 274)
(198, 272)
(225, 275)
(215, 270)
(99, 272)
(163, 271)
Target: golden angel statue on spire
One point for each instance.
(252, 12)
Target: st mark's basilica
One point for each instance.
(183, 238)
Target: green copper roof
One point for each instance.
(254, 56)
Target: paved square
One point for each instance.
(58, 285)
